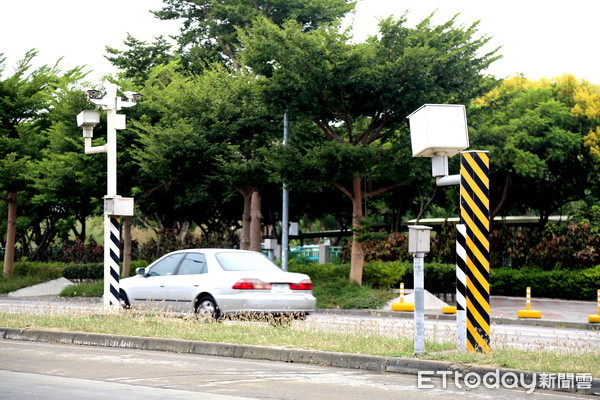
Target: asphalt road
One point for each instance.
(31, 370)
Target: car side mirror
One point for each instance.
(140, 271)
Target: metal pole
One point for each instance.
(111, 225)
(111, 140)
(285, 219)
(419, 317)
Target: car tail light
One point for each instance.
(306, 284)
(251, 284)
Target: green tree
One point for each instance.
(359, 94)
(68, 184)
(201, 138)
(209, 32)
(537, 143)
(24, 100)
(139, 58)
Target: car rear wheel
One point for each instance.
(207, 309)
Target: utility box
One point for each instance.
(294, 229)
(270, 244)
(438, 130)
(118, 206)
(418, 239)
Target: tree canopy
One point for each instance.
(359, 94)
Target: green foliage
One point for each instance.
(28, 273)
(332, 289)
(560, 284)
(210, 28)
(168, 242)
(95, 289)
(384, 275)
(78, 252)
(137, 264)
(536, 138)
(563, 246)
(84, 272)
(139, 58)
(392, 247)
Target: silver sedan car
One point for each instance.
(215, 282)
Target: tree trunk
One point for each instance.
(255, 223)
(126, 247)
(246, 217)
(357, 259)
(182, 230)
(11, 233)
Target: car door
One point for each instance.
(152, 291)
(184, 286)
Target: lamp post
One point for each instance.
(114, 205)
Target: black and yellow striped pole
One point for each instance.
(474, 210)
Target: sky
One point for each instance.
(537, 38)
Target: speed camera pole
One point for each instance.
(114, 205)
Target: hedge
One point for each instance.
(441, 278)
(84, 272)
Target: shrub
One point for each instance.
(84, 272)
(27, 273)
(561, 284)
(566, 246)
(384, 275)
(95, 289)
(79, 252)
(41, 270)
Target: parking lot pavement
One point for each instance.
(552, 309)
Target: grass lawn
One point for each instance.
(359, 339)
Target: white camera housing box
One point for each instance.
(438, 130)
(118, 206)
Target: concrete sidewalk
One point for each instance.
(50, 288)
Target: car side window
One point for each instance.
(166, 266)
(193, 263)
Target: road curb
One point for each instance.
(448, 317)
(403, 365)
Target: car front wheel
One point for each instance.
(207, 309)
(124, 301)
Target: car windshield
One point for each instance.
(245, 262)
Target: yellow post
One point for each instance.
(401, 305)
(595, 318)
(528, 312)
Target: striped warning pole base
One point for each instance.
(111, 262)
(475, 214)
(461, 287)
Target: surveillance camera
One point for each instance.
(92, 93)
(132, 95)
